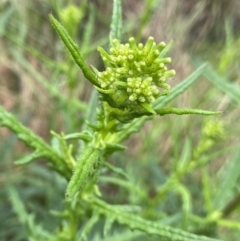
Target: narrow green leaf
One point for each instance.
(180, 88)
(91, 114)
(49, 63)
(88, 31)
(185, 155)
(116, 170)
(113, 147)
(186, 202)
(223, 84)
(18, 205)
(132, 188)
(4, 19)
(145, 18)
(107, 226)
(74, 50)
(148, 108)
(228, 180)
(85, 136)
(89, 226)
(132, 127)
(30, 158)
(177, 111)
(116, 24)
(166, 49)
(35, 231)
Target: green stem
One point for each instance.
(86, 167)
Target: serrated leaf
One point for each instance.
(34, 141)
(139, 223)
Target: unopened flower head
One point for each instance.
(136, 69)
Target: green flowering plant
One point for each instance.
(131, 90)
(134, 79)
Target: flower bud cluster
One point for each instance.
(137, 69)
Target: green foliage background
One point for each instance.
(42, 86)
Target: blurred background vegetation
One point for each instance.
(42, 86)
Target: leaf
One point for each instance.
(132, 188)
(29, 158)
(4, 20)
(74, 50)
(228, 180)
(145, 18)
(116, 24)
(180, 88)
(35, 232)
(185, 156)
(89, 226)
(148, 108)
(113, 147)
(88, 31)
(166, 49)
(85, 136)
(132, 127)
(223, 84)
(91, 114)
(107, 226)
(177, 111)
(116, 170)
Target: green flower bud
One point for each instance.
(71, 17)
(214, 130)
(149, 45)
(136, 70)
